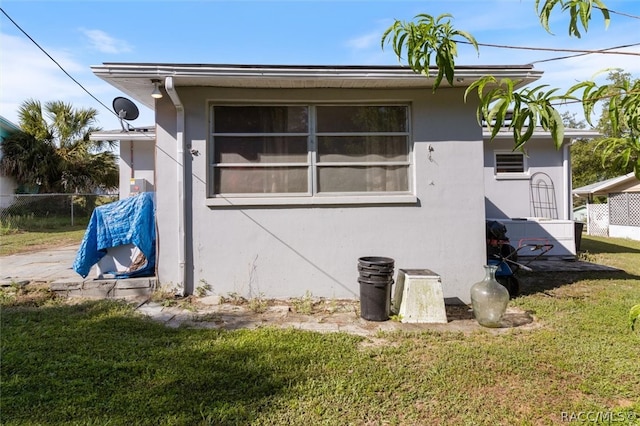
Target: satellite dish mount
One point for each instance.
(126, 111)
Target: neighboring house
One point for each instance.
(8, 184)
(580, 213)
(530, 191)
(620, 216)
(136, 158)
(273, 180)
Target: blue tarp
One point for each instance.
(127, 221)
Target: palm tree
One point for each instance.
(53, 150)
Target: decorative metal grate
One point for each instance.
(543, 196)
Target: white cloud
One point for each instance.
(30, 74)
(103, 42)
(366, 41)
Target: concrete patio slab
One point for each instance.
(54, 266)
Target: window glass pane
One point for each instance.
(260, 119)
(260, 149)
(363, 179)
(361, 118)
(260, 180)
(510, 163)
(362, 148)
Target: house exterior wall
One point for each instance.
(510, 197)
(285, 251)
(137, 161)
(8, 188)
(624, 212)
(628, 232)
(8, 184)
(631, 186)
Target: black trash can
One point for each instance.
(578, 228)
(376, 279)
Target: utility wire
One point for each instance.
(559, 58)
(553, 49)
(56, 62)
(618, 13)
(499, 46)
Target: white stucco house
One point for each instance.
(620, 216)
(136, 158)
(530, 191)
(274, 180)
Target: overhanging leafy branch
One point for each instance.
(498, 101)
(430, 40)
(579, 13)
(623, 145)
(426, 39)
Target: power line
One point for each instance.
(619, 13)
(559, 58)
(579, 52)
(56, 62)
(554, 49)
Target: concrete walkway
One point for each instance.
(41, 266)
(54, 266)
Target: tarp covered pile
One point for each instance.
(127, 221)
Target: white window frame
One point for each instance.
(524, 174)
(312, 196)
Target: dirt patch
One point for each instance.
(312, 314)
(320, 315)
(28, 294)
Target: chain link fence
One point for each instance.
(42, 212)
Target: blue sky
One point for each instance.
(79, 34)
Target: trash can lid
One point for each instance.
(376, 260)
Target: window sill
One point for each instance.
(512, 176)
(311, 201)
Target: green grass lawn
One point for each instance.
(26, 241)
(23, 234)
(98, 362)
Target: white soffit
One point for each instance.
(138, 134)
(135, 79)
(570, 134)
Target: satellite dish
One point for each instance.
(126, 110)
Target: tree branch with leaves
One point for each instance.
(432, 41)
(426, 39)
(53, 151)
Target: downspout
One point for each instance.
(566, 178)
(180, 162)
(133, 166)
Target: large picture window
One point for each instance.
(309, 150)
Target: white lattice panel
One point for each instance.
(598, 220)
(618, 212)
(634, 208)
(624, 209)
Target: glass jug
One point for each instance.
(489, 299)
